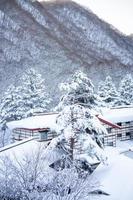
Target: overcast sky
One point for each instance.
(117, 12)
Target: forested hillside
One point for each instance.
(57, 38)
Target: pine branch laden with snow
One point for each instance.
(79, 90)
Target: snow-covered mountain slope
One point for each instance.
(57, 38)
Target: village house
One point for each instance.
(123, 117)
(42, 127)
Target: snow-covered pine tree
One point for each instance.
(107, 91)
(34, 96)
(10, 109)
(79, 90)
(10, 106)
(80, 135)
(126, 89)
(21, 101)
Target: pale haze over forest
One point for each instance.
(118, 13)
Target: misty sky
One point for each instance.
(117, 12)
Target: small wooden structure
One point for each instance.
(110, 138)
(40, 127)
(41, 134)
(123, 118)
(126, 132)
(116, 128)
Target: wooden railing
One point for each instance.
(21, 133)
(39, 134)
(110, 139)
(126, 133)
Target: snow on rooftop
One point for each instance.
(118, 114)
(42, 121)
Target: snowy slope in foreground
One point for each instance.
(117, 178)
(20, 151)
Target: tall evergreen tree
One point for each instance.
(10, 109)
(34, 96)
(107, 91)
(80, 137)
(22, 101)
(79, 90)
(81, 133)
(11, 105)
(126, 89)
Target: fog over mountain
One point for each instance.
(57, 38)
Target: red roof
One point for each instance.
(32, 129)
(108, 122)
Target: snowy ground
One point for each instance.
(19, 151)
(115, 177)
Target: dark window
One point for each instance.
(128, 134)
(109, 130)
(119, 135)
(119, 124)
(110, 143)
(127, 122)
(44, 135)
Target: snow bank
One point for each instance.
(116, 178)
(118, 115)
(44, 121)
(20, 151)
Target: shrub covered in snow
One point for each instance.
(30, 178)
